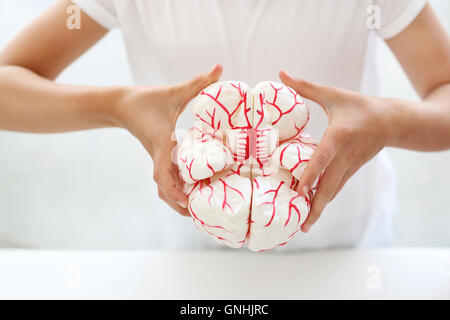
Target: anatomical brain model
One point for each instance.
(241, 163)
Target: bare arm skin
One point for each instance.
(423, 50)
(360, 126)
(31, 102)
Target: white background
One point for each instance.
(90, 189)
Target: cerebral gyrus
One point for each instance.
(241, 163)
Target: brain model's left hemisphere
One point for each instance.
(241, 163)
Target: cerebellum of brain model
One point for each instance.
(241, 163)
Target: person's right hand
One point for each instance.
(150, 114)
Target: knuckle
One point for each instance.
(199, 82)
(303, 83)
(157, 176)
(328, 193)
(324, 193)
(307, 84)
(314, 215)
(323, 158)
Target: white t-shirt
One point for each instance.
(324, 41)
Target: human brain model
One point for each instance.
(241, 163)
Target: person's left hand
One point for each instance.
(359, 127)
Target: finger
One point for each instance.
(315, 92)
(320, 159)
(193, 87)
(347, 175)
(163, 176)
(169, 183)
(325, 191)
(176, 176)
(177, 208)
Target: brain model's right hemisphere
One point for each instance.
(241, 163)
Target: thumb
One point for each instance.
(314, 92)
(190, 89)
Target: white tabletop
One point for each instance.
(358, 274)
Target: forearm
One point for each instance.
(30, 103)
(423, 126)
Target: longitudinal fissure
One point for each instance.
(251, 177)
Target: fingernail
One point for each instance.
(286, 73)
(182, 204)
(213, 68)
(306, 227)
(305, 190)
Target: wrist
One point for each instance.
(104, 104)
(400, 114)
(391, 120)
